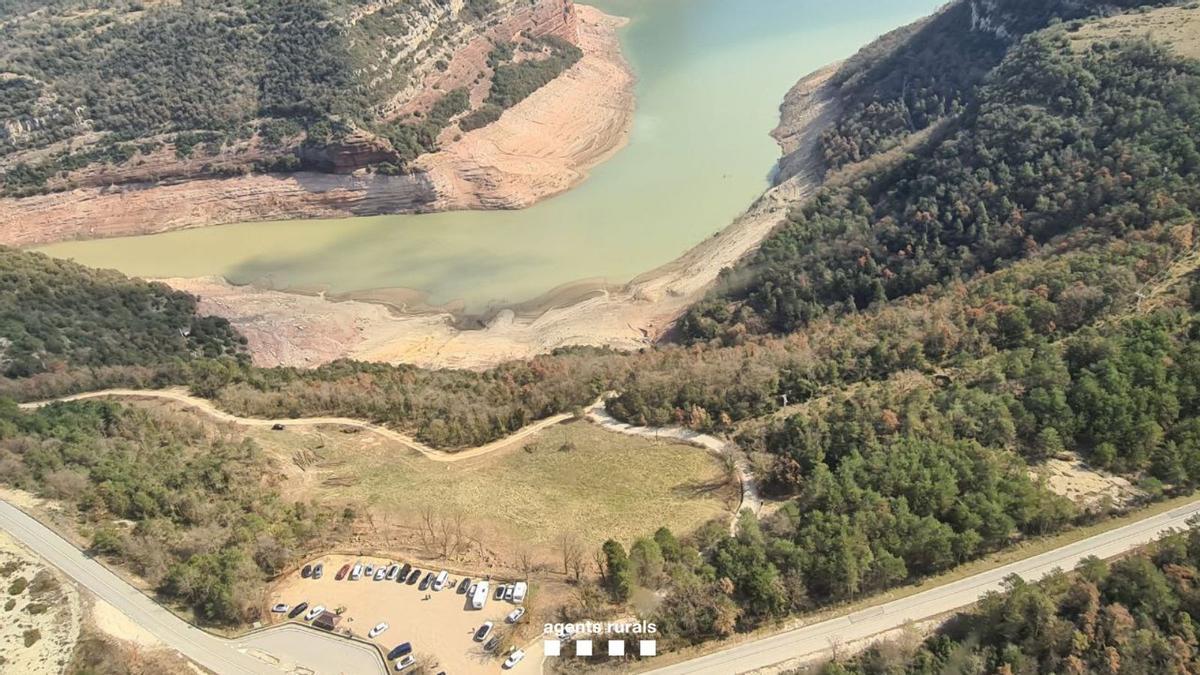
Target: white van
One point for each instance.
(356, 573)
(519, 590)
(440, 582)
(479, 599)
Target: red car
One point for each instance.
(342, 572)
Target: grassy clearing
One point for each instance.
(571, 479)
(1178, 27)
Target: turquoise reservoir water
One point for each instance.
(711, 76)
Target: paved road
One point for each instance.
(217, 654)
(812, 642)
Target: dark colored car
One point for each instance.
(464, 585)
(404, 570)
(492, 644)
(412, 578)
(318, 571)
(426, 581)
(306, 571)
(341, 574)
(400, 650)
(297, 610)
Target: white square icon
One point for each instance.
(552, 647)
(583, 648)
(648, 647)
(616, 648)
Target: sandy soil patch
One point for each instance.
(627, 317)
(439, 624)
(1069, 477)
(547, 143)
(40, 614)
(114, 623)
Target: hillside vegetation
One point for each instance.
(235, 85)
(1137, 615)
(901, 354)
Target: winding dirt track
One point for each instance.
(205, 406)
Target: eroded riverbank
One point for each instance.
(307, 330)
(542, 146)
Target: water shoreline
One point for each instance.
(394, 326)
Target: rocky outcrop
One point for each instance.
(92, 213)
(357, 150)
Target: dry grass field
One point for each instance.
(1177, 26)
(572, 480)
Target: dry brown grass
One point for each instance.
(573, 480)
(1178, 27)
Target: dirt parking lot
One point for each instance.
(440, 628)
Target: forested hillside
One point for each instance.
(56, 315)
(211, 526)
(1137, 615)
(143, 91)
(1053, 142)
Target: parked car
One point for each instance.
(392, 571)
(400, 650)
(439, 582)
(405, 662)
(471, 590)
(404, 570)
(499, 592)
(513, 659)
(492, 644)
(428, 579)
(484, 631)
(318, 570)
(464, 585)
(519, 590)
(508, 593)
(379, 628)
(341, 574)
(356, 572)
(380, 573)
(369, 571)
(515, 615)
(314, 612)
(479, 596)
(413, 577)
(280, 608)
(276, 427)
(297, 610)
(306, 571)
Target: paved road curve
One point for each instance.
(216, 654)
(811, 642)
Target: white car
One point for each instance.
(379, 628)
(380, 573)
(281, 608)
(513, 659)
(508, 592)
(356, 573)
(484, 631)
(515, 615)
(314, 612)
(405, 662)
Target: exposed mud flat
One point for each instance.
(288, 329)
